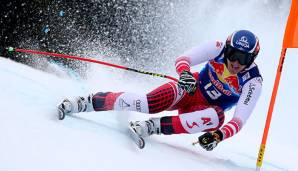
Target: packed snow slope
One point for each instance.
(32, 138)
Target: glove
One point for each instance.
(210, 140)
(187, 82)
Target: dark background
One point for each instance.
(64, 26)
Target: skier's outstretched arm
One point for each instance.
(198, 54)
(248, 99)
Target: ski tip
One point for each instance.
(141, 143)
(61, 114)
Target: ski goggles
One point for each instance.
(237, 55)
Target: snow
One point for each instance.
(31, 137)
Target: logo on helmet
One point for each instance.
(243, 42)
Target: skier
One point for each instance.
(229, 78)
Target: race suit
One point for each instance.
(217, 91)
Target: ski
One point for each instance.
(64, 108)
(61, 114)
(138, 140)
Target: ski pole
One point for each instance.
(11, 49)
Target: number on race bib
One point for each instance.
(213, 94)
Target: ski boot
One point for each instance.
(75, 105)
(147, 128)
(141, 129)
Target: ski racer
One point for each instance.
(229, 78)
